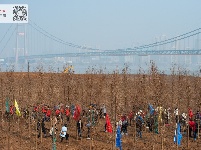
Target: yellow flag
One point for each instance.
(160, 115)
(17, 109)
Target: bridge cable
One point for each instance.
(60, 40)
(167, 41)
(8, 39)
(6, 33)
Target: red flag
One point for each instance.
(77, 112)
(108, 124)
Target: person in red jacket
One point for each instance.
(62, 113)
(35, 111)
(48, 114)
(191, 127)
(36, 108)
(67, 113)
(44, 109)
(190, 113)
(57, 113)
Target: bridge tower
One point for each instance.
(174, 58)
(21, 47)
(197, 46)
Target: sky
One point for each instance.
(111, 24)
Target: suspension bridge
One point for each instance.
(31, 42)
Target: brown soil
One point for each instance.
(180, 91)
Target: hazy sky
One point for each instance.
(112, 24)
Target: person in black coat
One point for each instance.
(139, 124)
(88, 125)
(41, 124)
(124, 127)
(79, 127)
(195, 131)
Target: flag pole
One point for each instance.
(199, 122)
(91, 130)
(115, 119)
(8, 132)
(29, 109)
(20, 133)
(176, 129)
(188, 117)
(22, 99)
(29, 99)
(135, 133)
(29, 121)
(177, 135)
(81, 129)
(36, 129)
(53, 137)
(198, 126)
(41, 138)
(76, 130)
(112, 114)
(161, 137)
(164, 135)
(2, 114)
(188, 136)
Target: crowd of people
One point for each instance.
(137, 118)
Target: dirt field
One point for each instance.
(120, 92)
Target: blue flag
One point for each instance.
(7, 105)
(118, 138)
(178, 135)
(151, 109)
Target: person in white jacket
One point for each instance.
(64, 133)
(104, 110)
(176, 113)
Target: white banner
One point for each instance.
(13, 13)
